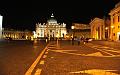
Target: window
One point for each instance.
(113, 20)
(118, 19)
(118, 26)
(113, 34)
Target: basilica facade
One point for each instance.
(51, 29)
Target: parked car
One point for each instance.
(90, 39)
(8, 38)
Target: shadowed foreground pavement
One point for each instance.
(85, 59)
(17, 56)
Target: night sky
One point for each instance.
(23, 15)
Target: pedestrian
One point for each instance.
(84, 40)
(87, 40)
(73, 41)
(78, 39)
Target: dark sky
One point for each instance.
(25, 14)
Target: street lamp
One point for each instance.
(57, 38)
(112, 32)
(73, 27)
(106, 28)
(106, 33)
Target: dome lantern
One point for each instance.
(52, 19)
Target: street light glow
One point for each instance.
(72, 27)
(112, 26)
(106, 28)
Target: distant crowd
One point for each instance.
(79, 40)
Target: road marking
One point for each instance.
(38, 72)
(105, 47)
(42, 62)
(67, 52)
(48, 49)
(94, 54)
(51, 57)
(51, 47)
(104, 50)
(64, 50)
(112, 51)
(83, 54)
(29, 71)
(46, 52)
(101, 46)
(44, 56)
(96, 72)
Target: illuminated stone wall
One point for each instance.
(16, 35)
(80, 26)
(115, 23)
(81, 30)
(1, 18)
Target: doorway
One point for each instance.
(118, 36)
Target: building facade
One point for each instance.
(97, 29)
(16, 35)
(1, 18)
(51, 29)
(115, 23)
(80, 30)
(107, 23)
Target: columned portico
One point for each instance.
(97, 29)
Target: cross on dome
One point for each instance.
(52, 19)
(52, 15)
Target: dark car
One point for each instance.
(8, 38)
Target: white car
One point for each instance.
(90, 39)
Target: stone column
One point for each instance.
(111, 16)
(103, 34)
(1, 18)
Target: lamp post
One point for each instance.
(72, 27)
(112, 32)
(57, 38)
(106, 33)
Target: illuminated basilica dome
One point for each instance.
(51, 29)
(52, 19)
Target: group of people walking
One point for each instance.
(79, 40)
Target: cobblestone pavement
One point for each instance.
(16, 56)
(85, 59)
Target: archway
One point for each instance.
(118, 36)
